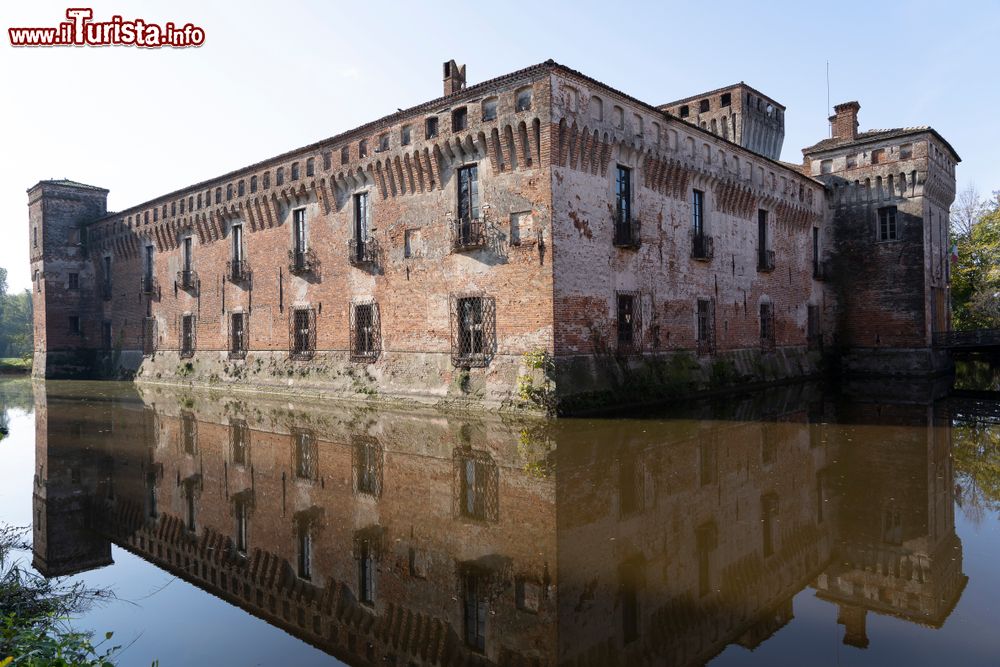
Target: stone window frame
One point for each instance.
(891, 232)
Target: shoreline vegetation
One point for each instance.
(15, 365)
(36, 614)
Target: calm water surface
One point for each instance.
(793, 527)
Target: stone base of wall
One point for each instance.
(880, 362)
(598, 382)
(69, 365)
(404, 379)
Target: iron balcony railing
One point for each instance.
(702, 246)
(765, 260)
(626, 231)
(302, 261)
(468, 234)
(239, 270)
(187, 279)
(362, 252)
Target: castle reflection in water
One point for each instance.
(401, 538)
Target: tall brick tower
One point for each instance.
(888, 194)
(64, 288)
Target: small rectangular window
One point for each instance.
(106, 335)
(726, 100)
(766, 325)
(627, 322)
(523, 100)
(74, 324)
(697, 211)
(888, 230)
(431, 127)
(404, 135)
(187, 335)
(490, 108)
(383, 142)
(279, 176)
(305, 550)
(311, 167)
(685, 111)
(704, 106)
(237, 335)
(74, 281)
(878, 156)
(327, 161)
(295, 171)
(363, 148)
(459, 119)
(345, 155)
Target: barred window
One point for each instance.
(367, 466)
(473, 327)
(766, 326)
(629, 321)
(302, 332)
(106, 335)
(189, 434)
(706, 326)
(237, 335)
(148, 335)
(187, 335)
(365, 332)
(477, 485)
(239, 437)
(306, 454)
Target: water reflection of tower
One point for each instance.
(896, 551)
(66, 474)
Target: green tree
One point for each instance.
(975, 281)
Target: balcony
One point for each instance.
(362, 252)
(149, 285)
(765, 261)
(626, 232)
(239, 271)
(302, 262)
(468, 235)
(702, 246)
(187, 279)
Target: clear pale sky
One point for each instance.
(274, 76)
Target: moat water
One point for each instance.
(792, 527)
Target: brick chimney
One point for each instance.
(454, 77)
(844, 122)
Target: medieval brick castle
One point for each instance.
(539, 237)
